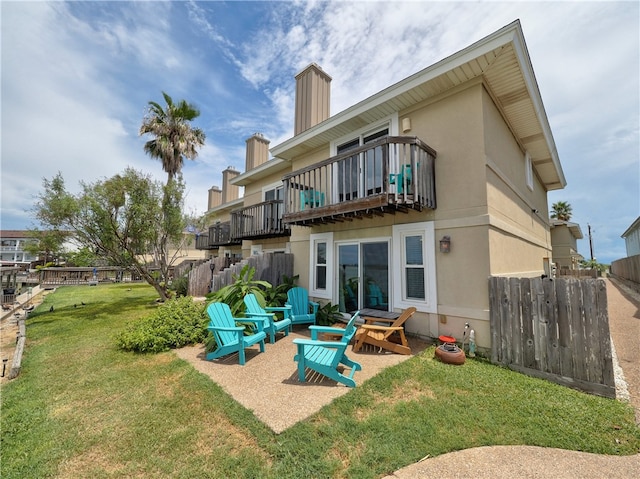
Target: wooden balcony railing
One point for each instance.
(262, 220)
(388, 175)
(202, 241)
(219, 235)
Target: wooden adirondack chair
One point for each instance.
(325, 356)
(386, 337)
(303, 311)
(230, 338)
(254, 310)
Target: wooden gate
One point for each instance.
(555, 329)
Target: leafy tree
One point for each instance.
(50, 241)
(47, 244)
(561, 210)
(82, 257)
(129, 219)
(174, 137)
(593, 264)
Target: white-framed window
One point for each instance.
(321, 265)
(528, 170)
(274, 191)
(414, 278)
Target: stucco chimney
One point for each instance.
(257, 151)
(229, 192)
(215, 197)
(313, 98)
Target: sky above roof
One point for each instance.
(77, 77)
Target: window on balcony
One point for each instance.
(360, 175)
(273, 213)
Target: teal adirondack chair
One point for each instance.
(303, 311)
(230, 338)
(325, 356)
(254, 310)
(375, 298)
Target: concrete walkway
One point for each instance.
(21, 300)
(508, 462)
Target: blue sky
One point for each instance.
(77, 76)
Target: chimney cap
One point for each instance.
(259, 136)
(317, 68)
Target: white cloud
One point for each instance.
(77, 77)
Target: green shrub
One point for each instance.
(328, 314)
(234, 293)
(277, 296)
(174, 324)
(180, 285)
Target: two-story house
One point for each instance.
(564, 242)
(416, 195)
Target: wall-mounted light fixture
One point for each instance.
(406, 125)
(445, 244)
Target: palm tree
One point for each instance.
(561, 210)
(175, 138)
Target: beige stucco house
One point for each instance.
(564, 243)
(416, 195)
(218, 239)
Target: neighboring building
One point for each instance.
(12, 248)
(629, 267)
(564, 243)
(632, 238)
(357, 190)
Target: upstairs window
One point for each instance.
(528, 170)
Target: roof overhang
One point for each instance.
(226, 207)
(574, 228)
(262, 171)
(500, 59)
(634, 226)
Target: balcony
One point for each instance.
(392, 174)
(262, 220)
(219, 235)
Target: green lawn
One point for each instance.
(82, 408)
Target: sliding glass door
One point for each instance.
(360, 175)
(363, 275)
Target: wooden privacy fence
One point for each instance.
(578, 273)
(269, 267)
(555, 329)
(627, 268)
